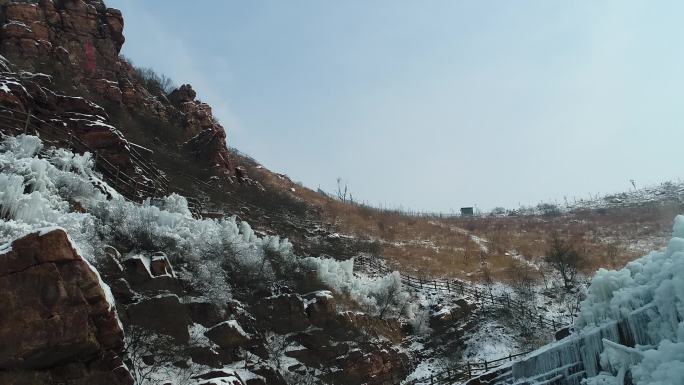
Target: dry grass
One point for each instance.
(438, 247)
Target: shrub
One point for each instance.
(565, 259)
(35, 193)
(156, 84)
(153, 82)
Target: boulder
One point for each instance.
(321, 308)
(219, 377)
(562, 333)
(163, 314)
(228, 335)
(151, 275)
(58, 315)
(122, 291)
(160, 265)
(379, 363)
(319, 357)
(205, 313)
(284, 313)
(204, 355)
(137, 269)
(182, 94)
(110, 266)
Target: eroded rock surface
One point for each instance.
(58, 315)
(78, 43)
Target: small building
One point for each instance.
(467, 211)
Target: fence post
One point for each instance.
(510, 357)
(448, 288)
(486, 368)
(541, 321)
(435, 282)
(432, 379)
(469, 373)
(420, 280)
(553, 323)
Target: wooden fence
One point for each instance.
(148, 181)
(483, 296)
(464, 372)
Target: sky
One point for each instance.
(434, 105)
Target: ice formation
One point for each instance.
(371, 292)
(630, 329)
(38, 187)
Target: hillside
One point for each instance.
(138, 248)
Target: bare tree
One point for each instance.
(613, 252)
(393, 301)
(486, 274)
(523, 277)
(342, 190)
(148, 353)
(565, 259)
(466, 249)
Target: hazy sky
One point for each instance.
(434, 105)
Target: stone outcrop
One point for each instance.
(321, 308)
(379, 364)
(220, 377)
(228, 334)
(151, 275)
(78, 43)
(69, 121)
(77, 82)
(205, 313)
(58, 315)
(163, 314)
(282, 313)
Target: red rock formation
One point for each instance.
(78, 42)
(56, 312)
(61, 116)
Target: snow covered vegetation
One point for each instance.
(37, 192)
(384, 295)
(228, 291)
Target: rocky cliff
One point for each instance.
(61, 77)
(78, 43)
(58, 322)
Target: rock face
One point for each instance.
(283, 313)
(228, 334)
(58, 315)
(219, 377)
(78, 43)
(75, 123)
